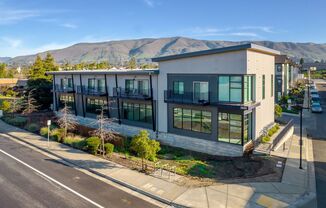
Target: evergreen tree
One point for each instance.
(301, 61)
(37, 71)
(2, 70)
(49, 63)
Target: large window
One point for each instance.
(229, 128)
(230, 88)
(178, 88)
(137, 86)
(69, 100)
(137, 112)
(95, 105)
(91, 84)
(247, 129)
(194, 120)
(101, 85)
(263, 87)
(200, 90)
(66, 83)
(248, 86)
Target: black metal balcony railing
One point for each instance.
(91, 91)
(62, 88)
(143, 94)
(187, 97)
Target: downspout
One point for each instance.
(152, 102)
(118, 100)
(82, 94)
(73, 88)
(55, 106)
(107, 95)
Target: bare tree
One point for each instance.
(30, 104)
(104, 133)
(66, 120)
(16, 105)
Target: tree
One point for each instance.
(301, 61)
(102, 132)
(5, 106)
(30, 104)
(145, 147)
(66, 120)
(278, 111)
(132, 64)
(2, 70)
(37, 71)
(49, 63)
(15, 105)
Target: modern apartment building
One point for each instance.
(213, 101)
(286, 73)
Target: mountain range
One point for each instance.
(118, 52)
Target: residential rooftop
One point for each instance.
(249, 46)
(107, 71)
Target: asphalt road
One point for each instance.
(53, 184)
(317, 130)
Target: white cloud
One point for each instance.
(265, 29)
(149, 3)
(69, 25)
(244, 34)
(11, 42)
(9, 16)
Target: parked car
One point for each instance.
(313, 92)
(316, 108)
(315, 98)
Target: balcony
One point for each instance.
(187, 98)
(63, 88)
(91, 91)
(140, 94)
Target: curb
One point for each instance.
(155, 197)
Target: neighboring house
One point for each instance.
(214, 101)
(286, 73)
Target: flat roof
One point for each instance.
(107, 71)
(249, 46)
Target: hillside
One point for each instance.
(117, 52)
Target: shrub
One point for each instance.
(57, 134)
(33, 127)
(82, 144)
(265, 139)
(278, 110)
(5, 106)
(74, 141)
(108, 148)
(17, 121)
(144, 147)
(93, 144)
(44, 131)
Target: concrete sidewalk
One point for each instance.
(296, 184)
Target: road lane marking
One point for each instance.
(52, 179)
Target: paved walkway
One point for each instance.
(294, 183)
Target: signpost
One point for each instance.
(49, 124)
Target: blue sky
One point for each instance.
(30, 26)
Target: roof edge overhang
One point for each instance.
(249, 46)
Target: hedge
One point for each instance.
(108, 148)
(93, 144)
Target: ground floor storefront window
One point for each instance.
(230, 128)
(94, 105)
(137, 112)
(193, 120)
(69, 100)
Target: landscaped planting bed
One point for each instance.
(195, 168)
